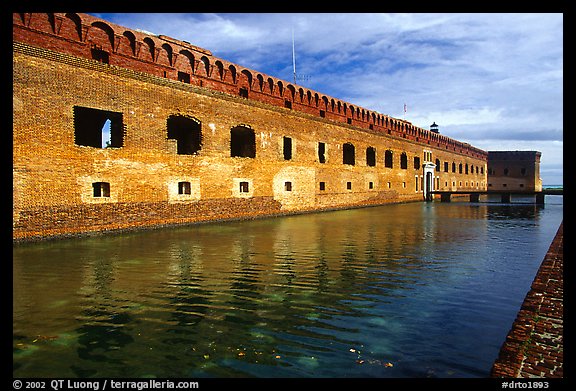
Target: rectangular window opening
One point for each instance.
(242, 142)
(349, 185)
(98, 128)
(288, 186)
(187, 132)
(322, 152)
(184, 77)
(184, 188)
(101, 189)
(100, 55)
(287, 148)
(322, 186)
(244, 188)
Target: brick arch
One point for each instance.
(309, 97)
(185, 61)
(148, 49)
(301, 94)
(127, 44)
(42, 22)
(233, 73)
(101, 36)
(165, 55)
(246, 79)
(292, 90)
(280, 88)
(260, 82)
(220, 68)
(204, 67)
(271, 85)
(71, 27)
(19, 18)
(325, 102)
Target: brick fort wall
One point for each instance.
(208, 146)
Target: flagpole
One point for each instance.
(293, 56)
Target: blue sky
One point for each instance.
(493, 80)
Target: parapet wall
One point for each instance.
(89, 37)
(183, 152)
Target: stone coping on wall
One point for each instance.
(534, 347)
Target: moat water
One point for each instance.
(407, 290)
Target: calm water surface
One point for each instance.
(408, 290)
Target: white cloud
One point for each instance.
(493, 76)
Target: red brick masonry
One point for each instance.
(534, 346)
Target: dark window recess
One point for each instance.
(98, 128)
(322, 152)
(287, 104)
(416, 162)
(287, 148)
(100, 55)
(322, 114)
(403, 161)
(101, 189)
(242, 142)
(349, 185)
(388, 162)
(288, 186)
(184, 188)
(371, 127)
(370, 185)
(370, 156)
(184, 77)
(244, 187)
(187, 133)
(348, 154)
(243, 92)
(322, 186)
(349, 121)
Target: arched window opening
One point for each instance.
(242, 142)
(370, 156)
(404, 161)
(348, 154)
(388, 162)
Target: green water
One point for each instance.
(409, 290)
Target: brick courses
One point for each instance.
(54, 174)
(534, 347)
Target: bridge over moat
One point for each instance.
(505, 195)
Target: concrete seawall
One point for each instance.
(534, 346)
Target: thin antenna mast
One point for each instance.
(293, 56)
